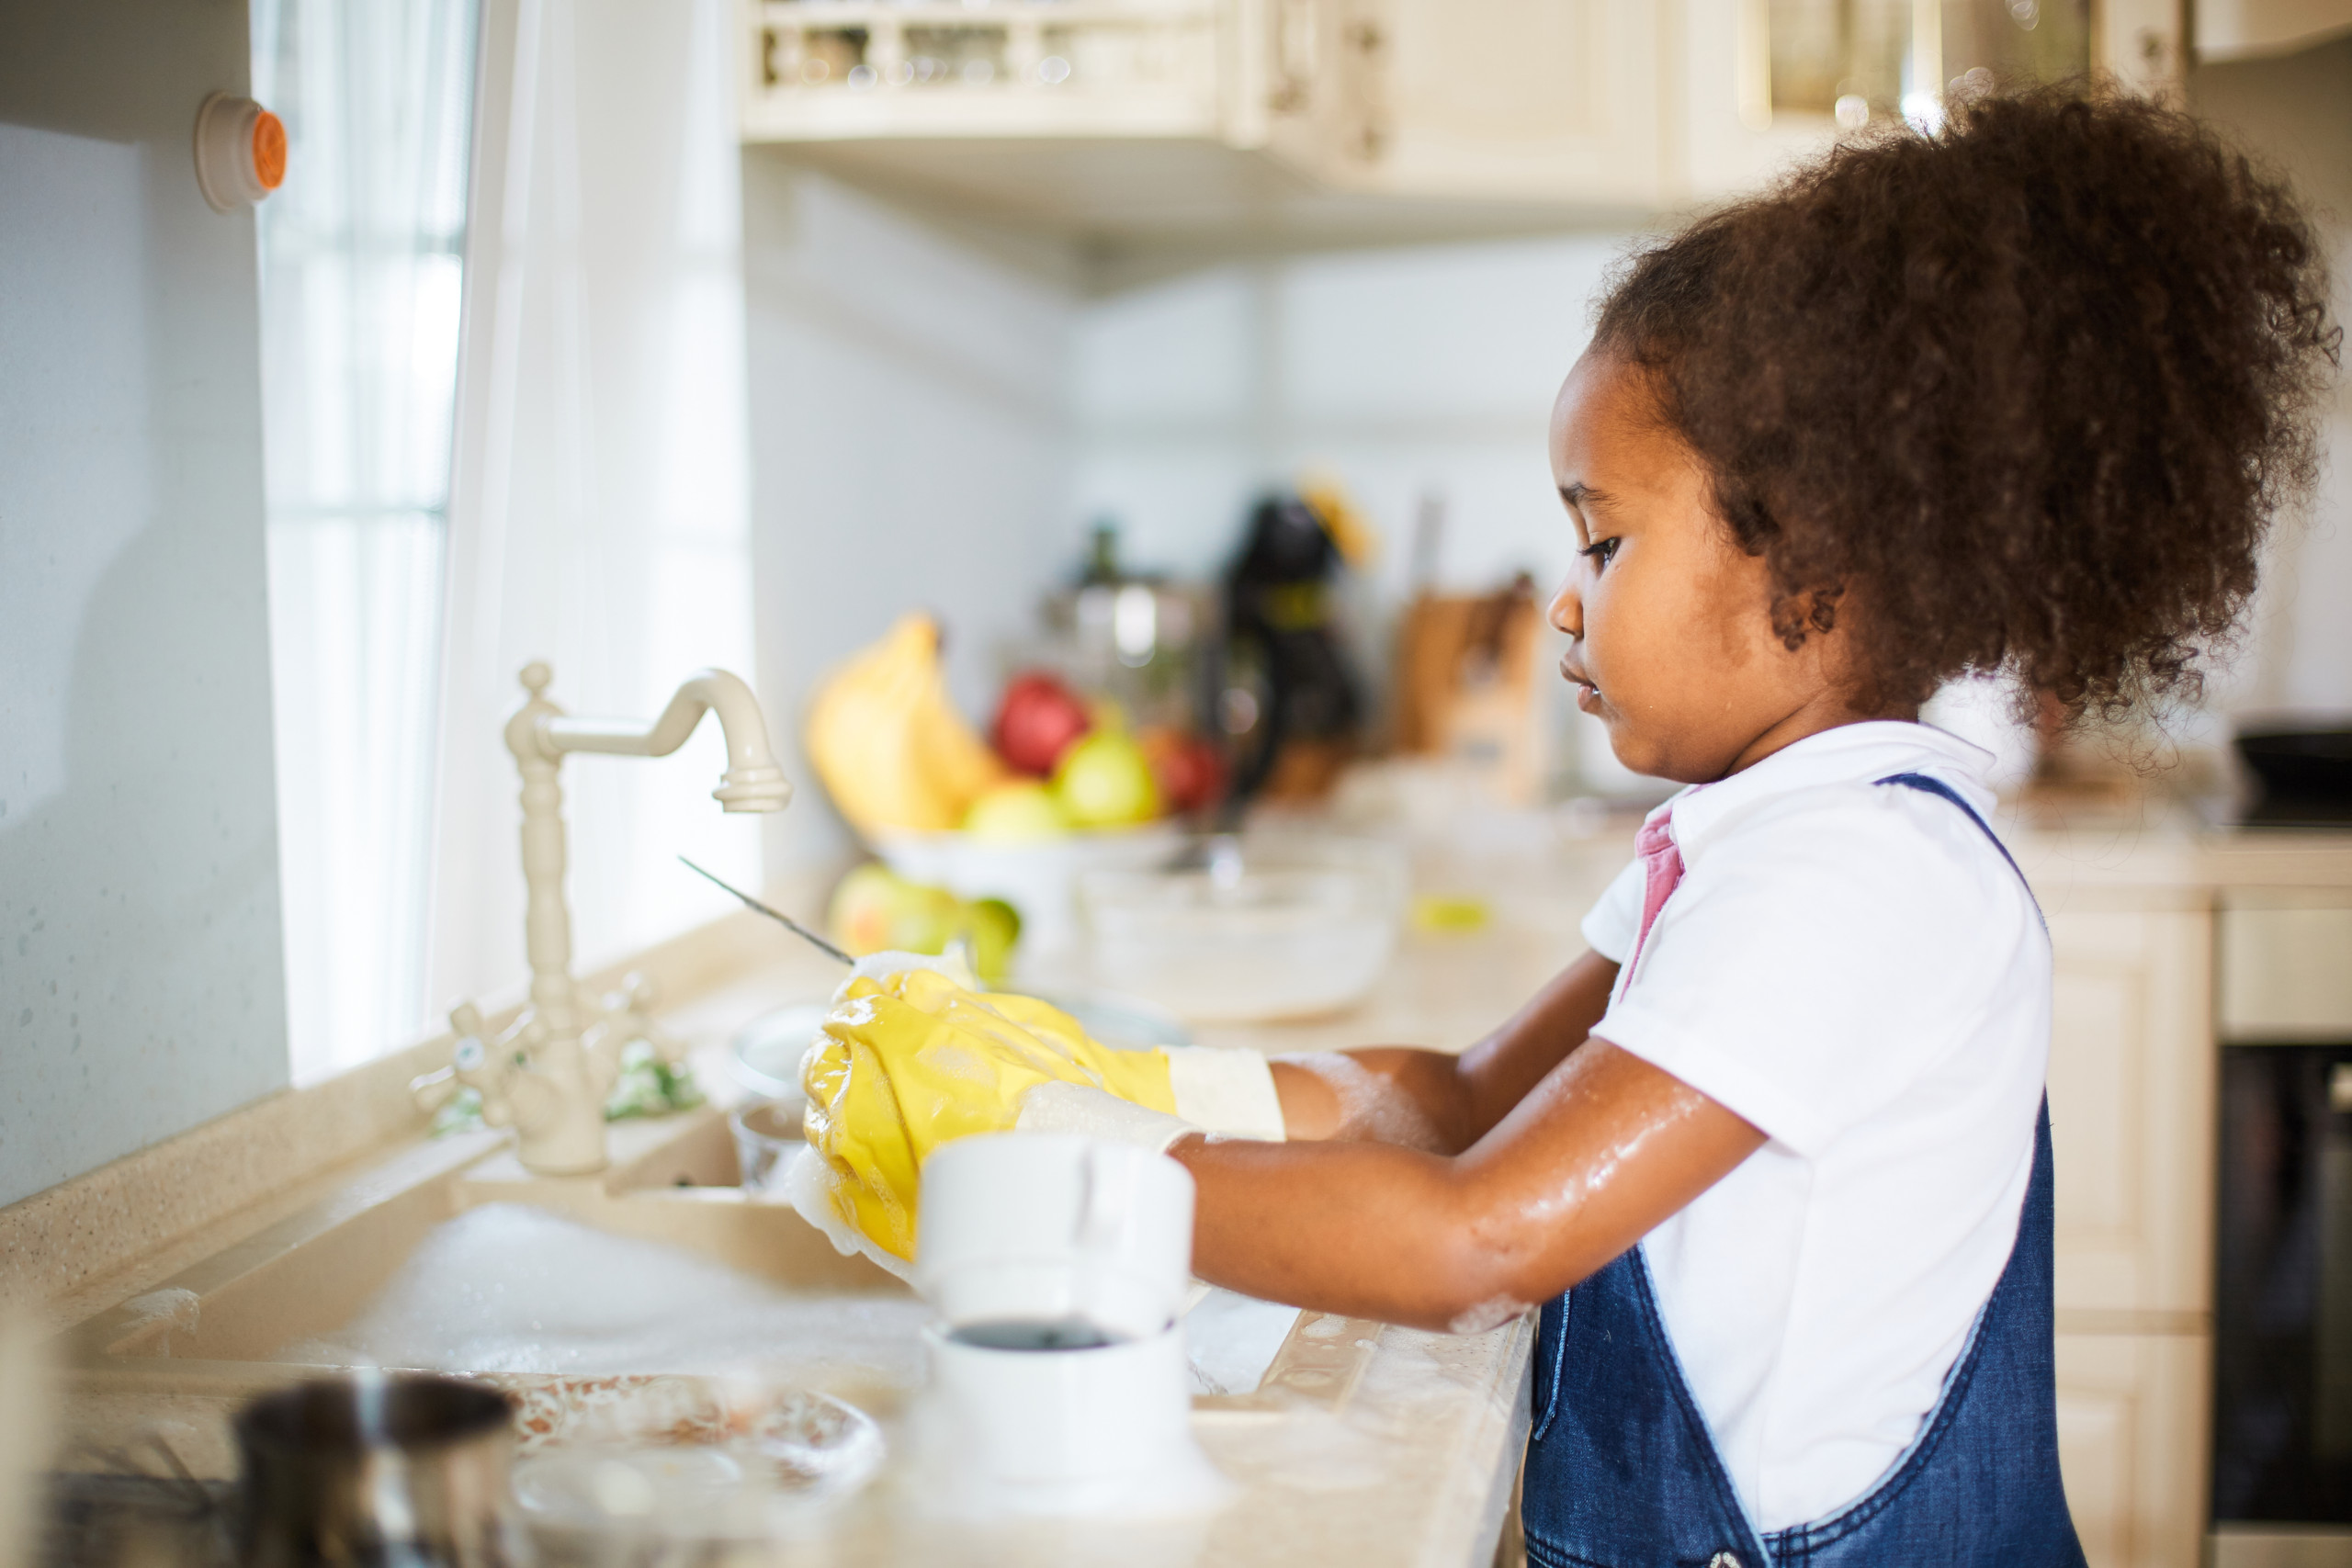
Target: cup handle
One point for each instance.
(1108, 1201)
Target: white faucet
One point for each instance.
(550, 1072)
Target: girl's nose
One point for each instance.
(1567, 609)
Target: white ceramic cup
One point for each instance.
(1042, 1229)
(1106, 1430)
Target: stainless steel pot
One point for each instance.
(376, 1468)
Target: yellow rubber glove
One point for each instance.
(912, 1060)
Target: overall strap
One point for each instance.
(1928, 784)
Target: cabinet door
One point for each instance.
(2131, 1416)
(2131, 1070)
(1504, 100)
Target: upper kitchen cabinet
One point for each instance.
(1543, 101)
(1180, 120)
(858, 70)
(1130, 118)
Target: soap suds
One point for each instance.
(1230, 1339)
(1371, 1109)
(507, 1288)
(1492, 1312)
(176, 1307)
(1057, 1107)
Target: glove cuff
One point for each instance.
(1057, 1107)
(1230, 1092)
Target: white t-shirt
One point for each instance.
(1854, 969)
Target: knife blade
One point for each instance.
(795, 927)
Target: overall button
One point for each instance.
(1723, 1560)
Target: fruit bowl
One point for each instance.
(1250, 930)
(1038, 877)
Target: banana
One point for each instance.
(893, 751)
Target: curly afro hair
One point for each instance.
(2020, 396)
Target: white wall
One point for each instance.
(911, 444)
(140, 979)
(1407, 373)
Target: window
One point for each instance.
(362, 264)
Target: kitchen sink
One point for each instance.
(176, 1358)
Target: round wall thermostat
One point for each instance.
(239, 152)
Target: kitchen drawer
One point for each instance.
(2131, 1419)
(2132, 1083)
(2285, 965)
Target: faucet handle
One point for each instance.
(637, 994)
(433, 1091)
(536, 675)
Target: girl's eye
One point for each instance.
(1600, 550)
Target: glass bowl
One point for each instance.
(1251, 929)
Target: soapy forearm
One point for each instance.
(1382, 1095)
(1601, 1151)
(1434, 1100)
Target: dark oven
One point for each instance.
(2282, 1384)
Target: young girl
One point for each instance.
(2017, 396)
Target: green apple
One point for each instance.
(1021, 812)
(861, 914)
(1105, 780)
(877, 910)
(995, 927)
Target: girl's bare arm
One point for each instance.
(1454, 1100)
(1603, 1149)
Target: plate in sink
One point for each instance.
(754, 1441)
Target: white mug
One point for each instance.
(1024, 1232)
(1106, 1430)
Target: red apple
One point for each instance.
(1191, 771)
(1038, 720)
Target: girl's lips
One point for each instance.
(1587, 694)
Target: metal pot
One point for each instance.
(376, 1468)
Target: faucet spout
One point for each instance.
(753, 782)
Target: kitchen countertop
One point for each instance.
(1413, 1464)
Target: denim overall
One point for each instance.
(1622, 1472)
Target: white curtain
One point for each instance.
(599, 516)
(361, 266)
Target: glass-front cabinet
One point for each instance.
(1082, 109)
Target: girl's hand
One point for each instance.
(1577, 1169)
(909, 1060)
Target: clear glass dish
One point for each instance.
(1248, 930)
